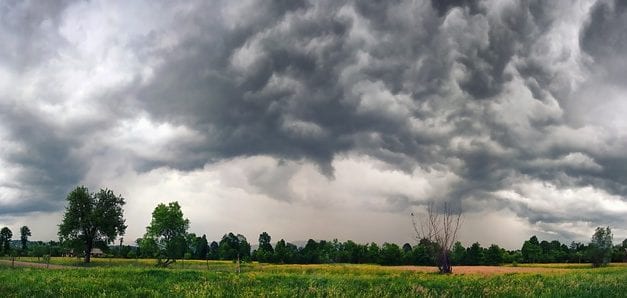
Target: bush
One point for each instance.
(131, 254)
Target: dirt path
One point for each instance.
(485, 270)
(36, 265)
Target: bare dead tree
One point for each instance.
(440, 228)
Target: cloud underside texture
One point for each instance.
(487, 105)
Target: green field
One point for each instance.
(124, 278)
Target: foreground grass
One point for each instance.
(294, 280)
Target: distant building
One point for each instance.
(95, 252)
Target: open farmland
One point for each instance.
(123, 277)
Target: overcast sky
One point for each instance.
(319, 119)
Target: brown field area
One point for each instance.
(34, 265)
(69, 263)
(484, 270)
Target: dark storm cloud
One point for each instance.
(28, 32)
(245, 112)
(603, 36)
(470, 87)
(443, 6)
(41, 157)
(293, 86)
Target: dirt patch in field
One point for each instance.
(484, 270)
(35, 265)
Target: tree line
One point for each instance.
(95, 220)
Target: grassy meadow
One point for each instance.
(132, 278)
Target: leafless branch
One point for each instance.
(441, 229)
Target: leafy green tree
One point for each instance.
(494, 255)
(214, 251)
(561, 254)
(310, 254)
(168, 229)
(355, 253)
(458, 254)
(233, 246)
(390, 254)
(291, 253)
(531, 250)
(513, 257)
(90, 218)
(617, 253)
(280, 252)
(406, 248)
(600, 249)
(202, 248)
(373, 253)
(474, 254)
(148, 248)
(24, 234)
(407, 254)
(576, 251)
(39, 251)
(5, 240)
(244, 247)
(191, 242)
(426, 252)
(265, 252)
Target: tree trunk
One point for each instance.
(88, 247)
(239, 269)
(444, 263)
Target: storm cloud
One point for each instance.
(508, 108)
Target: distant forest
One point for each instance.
(95, 220)
(232, 246)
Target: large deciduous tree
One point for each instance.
(168, 229)
(440, 227)
(92, 217)
(280, 252)
(600, 248)
(201, 248)
(531, 250)
(24, 234)
(234, 247)
(493, 255)
(5, 240)
(265, 253)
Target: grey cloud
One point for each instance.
(443, 6)
(408, 52)
(602, 36)
(43, 153)
(466, 86)
(274, 181)
(46, 163)
(28, 32)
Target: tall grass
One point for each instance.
(303, 281)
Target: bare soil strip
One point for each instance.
(36, 265)
(481, 270)
(484, 270)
